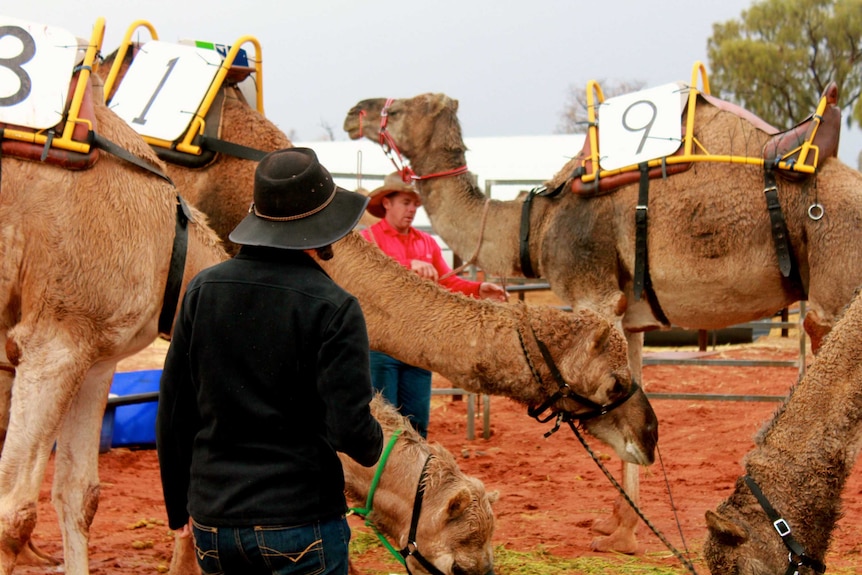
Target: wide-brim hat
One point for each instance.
(393, 183)
(297, 205)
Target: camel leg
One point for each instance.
(619, 528)
(45, 380)
(183, 560)
(75, 492)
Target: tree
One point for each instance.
(777, 59)
(574, 118)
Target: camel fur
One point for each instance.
(801, 461)
(456, 521)
(600, 374)
(712, 262)
(85, 258)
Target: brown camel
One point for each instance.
(631, 429)
(712, 262)
(800, 462)
(456, 521)
(85, 261)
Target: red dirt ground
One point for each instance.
(550, 490)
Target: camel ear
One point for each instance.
(601, 335)
(726, 531)
(458, 503)
(493, 496)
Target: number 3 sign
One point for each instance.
(639, 127)
(36, 64)
(164, 87)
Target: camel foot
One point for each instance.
(606, 525)
(32, 555)
(621, 541)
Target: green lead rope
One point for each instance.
(363, 512)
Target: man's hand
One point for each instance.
(487, 290)
(425, 270)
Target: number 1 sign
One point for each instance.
(36, 64)
(164, 87)
(639, 127)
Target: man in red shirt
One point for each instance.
(405, 386)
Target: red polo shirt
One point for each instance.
(417, 245)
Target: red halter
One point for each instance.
(390, 148)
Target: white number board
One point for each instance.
(164, 87)
(36, 63)
(639, 127)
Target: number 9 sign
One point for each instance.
(639, 127)
(36, 64)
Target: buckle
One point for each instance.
(782, 527)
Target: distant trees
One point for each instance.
(573, 118)
(780, 55)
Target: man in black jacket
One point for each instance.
(266, 378)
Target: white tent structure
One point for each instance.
(504, 166)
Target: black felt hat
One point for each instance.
(297, 205)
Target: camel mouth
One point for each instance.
(634, 454)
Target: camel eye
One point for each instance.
(618, 388)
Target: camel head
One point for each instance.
(592, 359)
(411, 126)
(740, 545)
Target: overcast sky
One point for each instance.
(509, 63)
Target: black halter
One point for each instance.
(797, 556)
(564, 391)
(411, 549)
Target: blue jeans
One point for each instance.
(406, 387)
(311, 549)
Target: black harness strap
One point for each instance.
(171, 298)
(779, 227)
(412, 548)
(524, 243)
(641, 232)
(229, 148)
(797, 552)
(112, 148)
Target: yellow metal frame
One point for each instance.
(198, 124)
(65, 140)
(700, 154)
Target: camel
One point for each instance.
(800, 462)
(631, 429)
(712, 260)
(456, 520)
(86, 257)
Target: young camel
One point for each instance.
(712, 261)
(85, 260)
(801, 461)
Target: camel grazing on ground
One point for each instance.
(455, 522)
(85, 261)
(712, 261)
(800, 462)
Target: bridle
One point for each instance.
(564, 390)
(390, 148)
(796, 557)
(411, 548)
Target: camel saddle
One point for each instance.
(82, 133)
(782, 152)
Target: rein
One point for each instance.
(797, 556)
(390, 148)
(411, 549)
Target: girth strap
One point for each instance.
(174, 283)
(229, 148)
(641, 232)
(797, 552)
(524, 243)
(779, 227)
